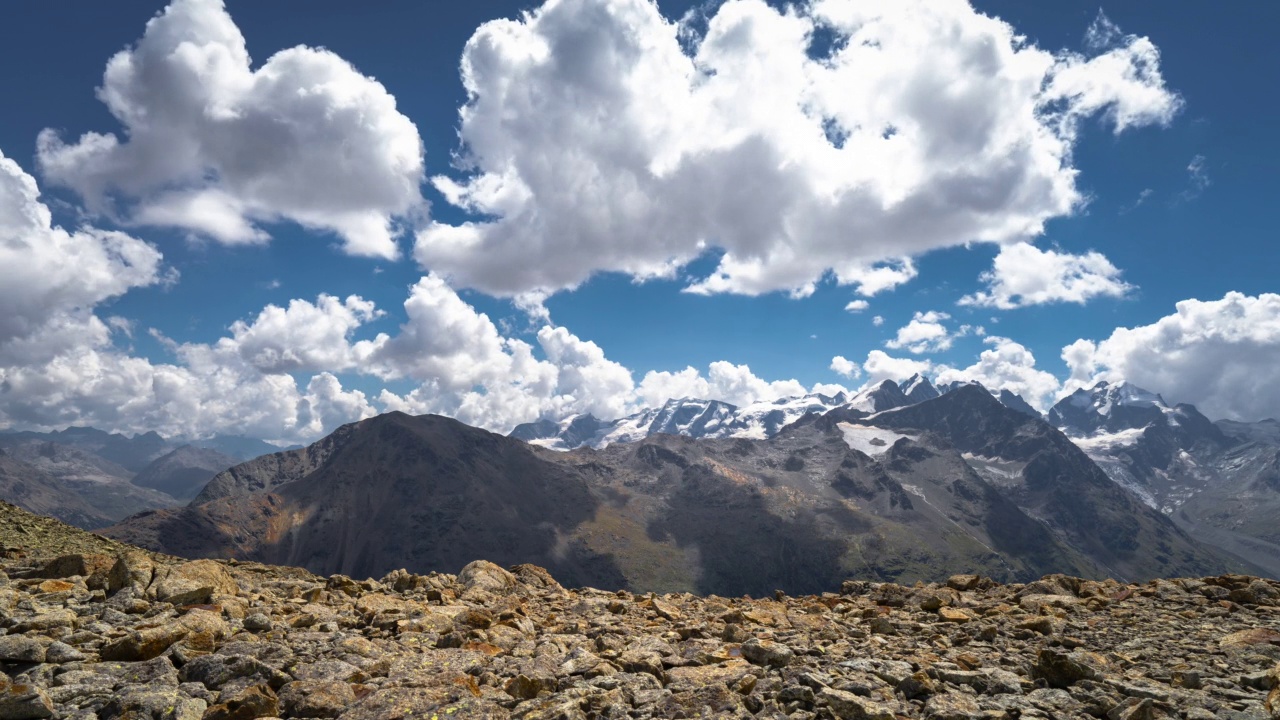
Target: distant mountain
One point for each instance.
(101, 484)
(696, 418)
(1051, 479)
(184, 472)
(1218, 481)
(906, 494)
(36, 491)
(687, 416)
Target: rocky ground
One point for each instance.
(94, 629)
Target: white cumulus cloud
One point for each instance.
(1219, 355)
(216, 147)
(926, 333)
(846, 367)
(600, 135)
(881, 366)
(1007, 365)
(1023, 275)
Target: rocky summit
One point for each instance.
(96, 629)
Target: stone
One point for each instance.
(191, 583)
(952, 706)
(78, 564)
(848, 706)
(130, 570)
(316, 698)
(21, 649)
(19, 701)
(767, 652)
(220, 671)
(956, 615)
(255, 701)
(1062, 669)
(963, 582)
(486, 576)
(257, 622)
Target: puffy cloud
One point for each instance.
(724, 381)
(602, 136)
(843, 366)
(878, 320)
(1023, 275)
(881, 366)
(213, 146)
(305, 336)
(1219, 355)
(924, 334)
(50, 278)
(857, 306)
(1007, 365)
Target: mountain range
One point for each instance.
(91, 478)
(877, 486)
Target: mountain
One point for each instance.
(910, 494)
(183, 473)
(100, 483)
(686, 416)
(917, 389)
(1053, 480)
(1218, 481)
(36, 491)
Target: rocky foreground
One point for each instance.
(105, 631)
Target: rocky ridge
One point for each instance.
(110, 632)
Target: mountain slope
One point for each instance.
(1053, 480)
(99, 483)
(184, 472)
(1218, 481)
(36, 491)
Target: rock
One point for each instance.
(66, 566)
(956, 615)
(1062, 670)
(1251, 636)
(150, 642)
(191, 583)
(130, 570)
(150, 702)
(484, 575)
(963, 582)
(232, 671)
(952, 706)
(257, 622)
(316, 699)
(767, 652)
(20, 702)
(255, 701)
(848, 706)
(60, 652)
(21, 649)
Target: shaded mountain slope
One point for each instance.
(184, 472)
(1052, 479)
(101, 484)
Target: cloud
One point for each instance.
(215, 147)
(724, 381)
(1024, 275)
(600, 136)
(1219, 355)
(925, 334)
(881, 366)
(1007, 365)
(1197, 179)
(52, 278)
(843, 366)
(878, 320)
(305, 336)
(857, 306)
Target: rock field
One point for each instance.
(97, 630)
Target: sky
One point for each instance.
(275, 218)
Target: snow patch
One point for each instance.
(869, 440)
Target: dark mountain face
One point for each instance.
(917, 389)
(1214, 480)
(1050, 478)
(184, 472)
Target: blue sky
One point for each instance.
(1174, 199)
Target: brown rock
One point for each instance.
(316, 698)
(952, 706)
(256, 701)
(956, 615)
(848, 706)
(1062, 670)
(77, 564)
(486, 576)
(192, 583)
(20, 702)
(1252, 636)
(132, 570)
(963, 582)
